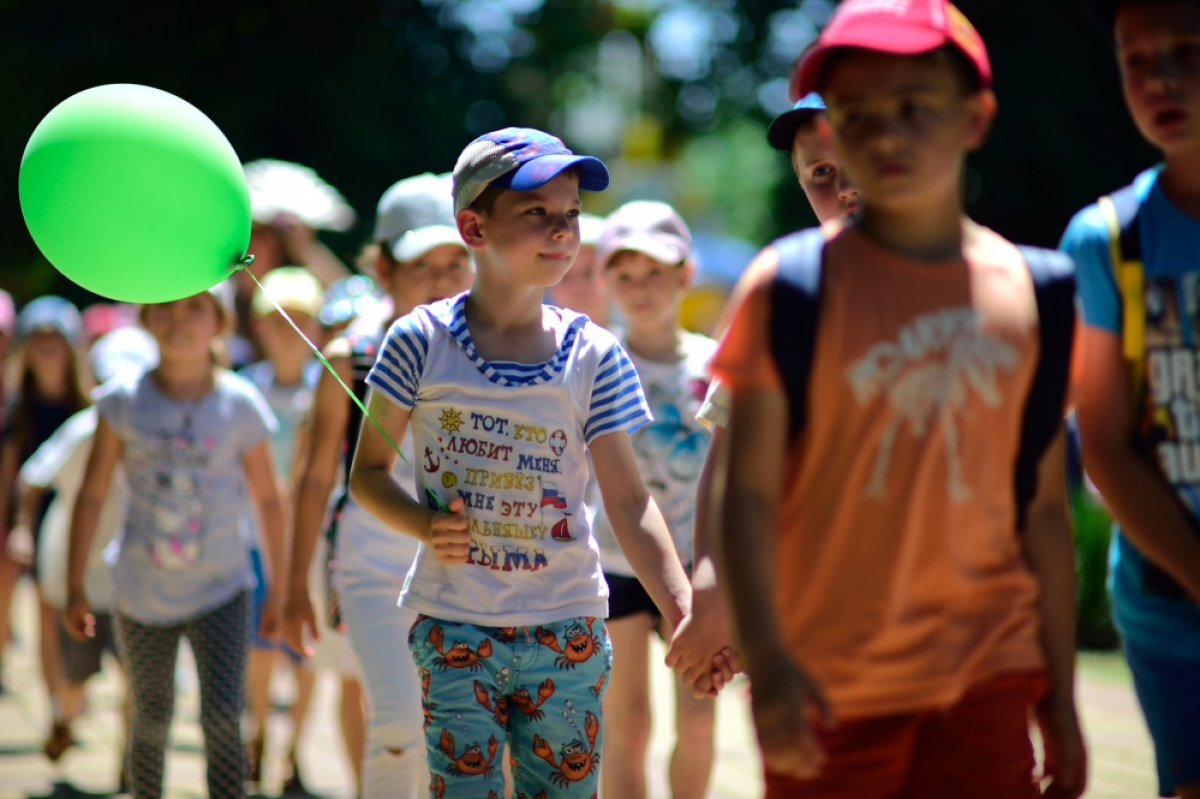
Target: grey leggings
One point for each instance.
(220, 640)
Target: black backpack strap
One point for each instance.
(795, 301)
(1054, 286)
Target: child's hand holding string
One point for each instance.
(449, 533)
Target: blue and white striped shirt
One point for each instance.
(511, 440)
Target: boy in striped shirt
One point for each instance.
(506, 397)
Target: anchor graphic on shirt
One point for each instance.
(432, 463)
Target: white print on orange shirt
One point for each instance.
(928, 375)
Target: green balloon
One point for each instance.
(135, 194)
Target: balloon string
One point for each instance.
(245, 262)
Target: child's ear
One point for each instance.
(471, 227)
(981, 109)
(384, 266)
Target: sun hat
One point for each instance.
(292, 288)
(416, 215)
(591, 228)
(646, 226)
(521, 159)
(282, 188)
(782, 132)
(124, 352)
(53, 314)
(899, 27)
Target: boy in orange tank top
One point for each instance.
(901, 561)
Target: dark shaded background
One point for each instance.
(367, 91)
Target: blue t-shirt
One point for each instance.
(181, 551)
(1170, 425)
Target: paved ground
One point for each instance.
(1120, 751)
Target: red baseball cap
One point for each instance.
(900, 27)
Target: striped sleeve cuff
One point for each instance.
(397, 371)
(618, 403)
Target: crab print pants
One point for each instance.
(538, 688)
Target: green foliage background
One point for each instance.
(367, 91)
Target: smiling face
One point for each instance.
(904, 124)
(646, 290)
(818, 166)
(1158, 49)
(532, 235)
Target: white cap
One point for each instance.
(591, 228)
(292, 288)
(416, 215)
(124, 352)
(282, 188)
(646, 226)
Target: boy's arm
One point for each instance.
(103, 460)
(1050, 550)
(263, 484)
(315, 475)
(639, 526)
(707, 626)
(373, 487)
(1135, 492)
(749, 470)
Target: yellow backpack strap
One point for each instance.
(1130, 276)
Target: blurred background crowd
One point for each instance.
(329, 104)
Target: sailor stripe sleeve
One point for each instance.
(618, 403)
(397, 371)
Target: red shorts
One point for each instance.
(979, 748)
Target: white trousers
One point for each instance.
(395, 766)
